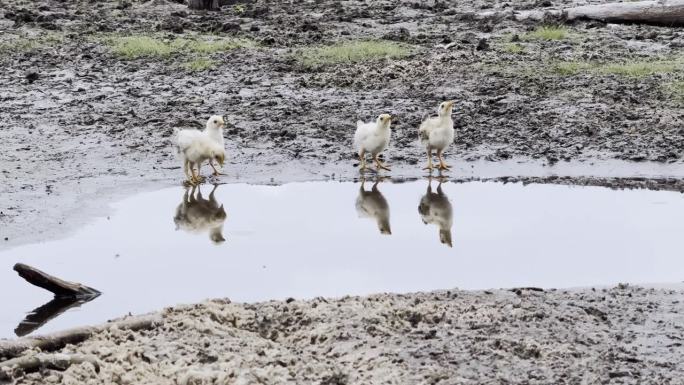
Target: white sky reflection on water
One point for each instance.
(306, 239)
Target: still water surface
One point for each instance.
(253, 243)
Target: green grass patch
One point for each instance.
(199, 64)
(547, 32)
(513, 48)
(137, 46)
(131, 47)
(352, 52)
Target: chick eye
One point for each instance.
(215, 121)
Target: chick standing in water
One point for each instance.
(196, 147)
(437, 134)
(372, 137)
(214, 130)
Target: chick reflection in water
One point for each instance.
(436, 209)
(198, 215)
(372, 204)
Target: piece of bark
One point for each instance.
(35, 362)
(45, 313)
(53, 284)
(56, 341)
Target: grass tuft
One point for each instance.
(547, 32)
(352, 52)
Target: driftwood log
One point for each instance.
(56, 341)
(61, 288)
(37, 361)
(654, 12)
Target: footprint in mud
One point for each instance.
(435, 208)
(372, 204)
(198, 215)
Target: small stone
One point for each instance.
(32, 77)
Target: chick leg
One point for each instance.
(362, 160)
(429, 165)
(379, 164)
(442, 164)
(216, 173)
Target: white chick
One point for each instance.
(196, 147)
(198, 215)
(214, 129)
(437, 134)
(436, 209)
(372, 137)
(372, 204)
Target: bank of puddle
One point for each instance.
(303, 240)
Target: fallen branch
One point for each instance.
(56, 341)
(35, 362)
(655, 12)
(53, 284)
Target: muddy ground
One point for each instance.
(80, 126)
(623, 335)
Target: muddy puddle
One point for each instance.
(302, 240)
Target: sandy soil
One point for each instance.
(623, 335)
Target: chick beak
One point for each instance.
(450, 103)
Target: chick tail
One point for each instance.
(359, 123)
